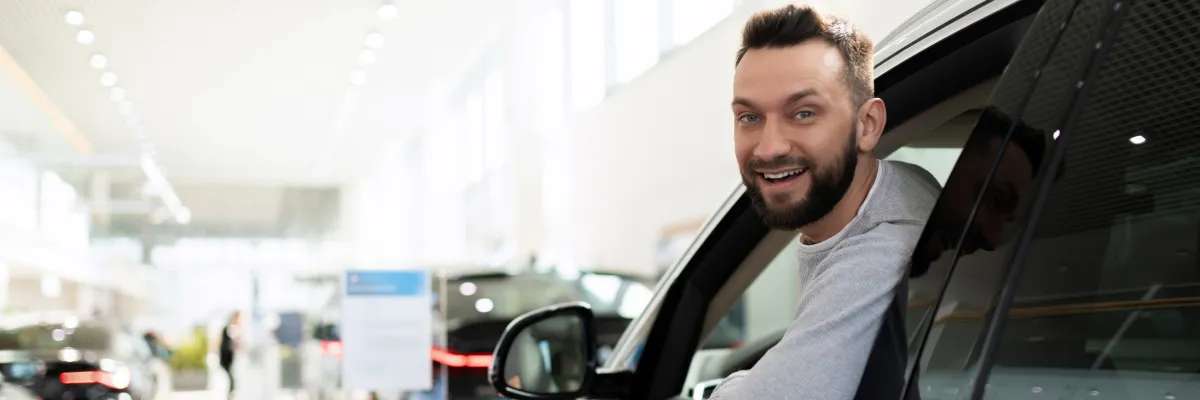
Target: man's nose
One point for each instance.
(773, 143)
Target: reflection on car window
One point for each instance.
(1106, 305)
(1109, 292)
(959, 262)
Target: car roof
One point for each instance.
(941, 18)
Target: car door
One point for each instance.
(1008, 200)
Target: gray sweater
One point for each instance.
(846, 284)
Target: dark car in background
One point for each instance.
(477, 307)
(77, 360)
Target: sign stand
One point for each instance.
(386, 331)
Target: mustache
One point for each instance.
(779, 162)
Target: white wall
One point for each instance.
(659, 150)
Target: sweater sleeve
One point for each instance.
(824, 351)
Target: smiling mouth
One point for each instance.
(781, 177)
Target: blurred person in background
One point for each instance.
(230, 342)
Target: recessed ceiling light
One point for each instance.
(1139, 139)
(366, 57)
(85, 36)
(108, 78)
(388, 12)
(125, 107)
(374, 40)
(358, 78)
(1056, 133)
(116, 94)
(74, 18)
(98, 61)
(132, 120)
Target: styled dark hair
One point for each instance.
(795, 24)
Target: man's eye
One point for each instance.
(748, 118)
(804, 115)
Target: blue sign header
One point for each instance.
(386, 283)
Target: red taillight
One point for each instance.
(460, 360)
(80, 378)
(736, 345)
(332, 348)
(113, 380)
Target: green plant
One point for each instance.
(192, 353)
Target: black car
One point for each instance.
(479, 306)
(72, 360)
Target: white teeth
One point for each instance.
(781, 175)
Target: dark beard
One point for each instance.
(829, 186)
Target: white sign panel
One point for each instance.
(386, 331)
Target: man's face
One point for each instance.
(794, 131)
(1010, 184)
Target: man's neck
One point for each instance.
(846, 209)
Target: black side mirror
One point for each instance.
(549, 353)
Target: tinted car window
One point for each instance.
(960, 262)
(52, 337)
(1105, 304)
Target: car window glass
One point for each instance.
(1070, 267)
(1108, 304)
(768, 305)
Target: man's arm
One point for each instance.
(824, 352)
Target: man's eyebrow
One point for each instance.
(794, 97)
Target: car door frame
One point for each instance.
(735, 234)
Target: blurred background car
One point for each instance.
(61, 358)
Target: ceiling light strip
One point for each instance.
(44, 104)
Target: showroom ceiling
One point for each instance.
(233, 94)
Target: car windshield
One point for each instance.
(506, 297)
(54, 337)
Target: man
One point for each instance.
(806, 126)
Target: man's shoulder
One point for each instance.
(911, 178)
(908, 193)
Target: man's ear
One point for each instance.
(872, 118)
